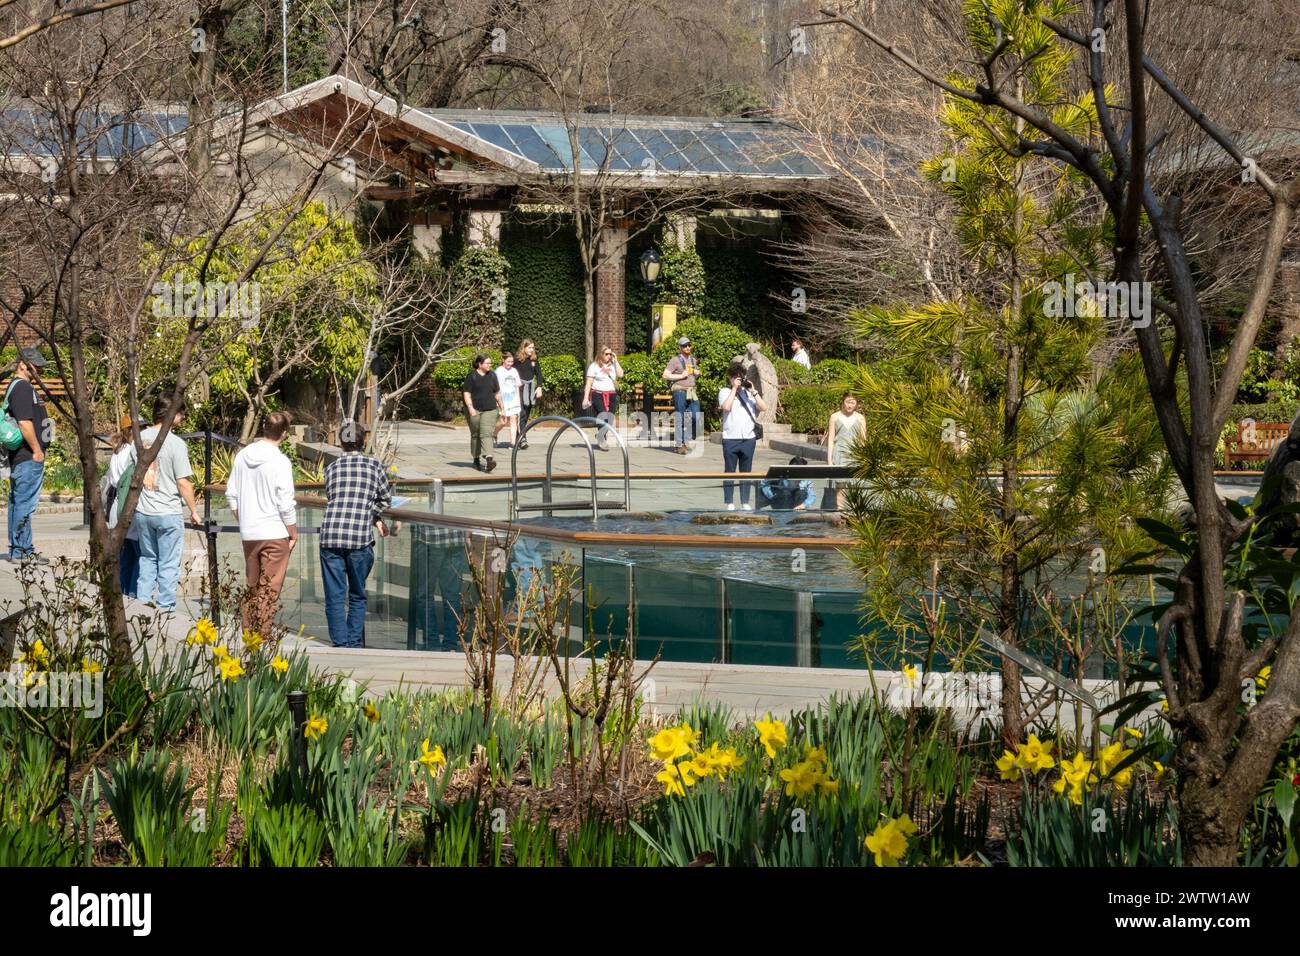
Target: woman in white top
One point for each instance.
(511, 398)
(845, 427)
(128, 559)
(600, 393)
(740, 404)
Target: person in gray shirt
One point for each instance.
(165, 495)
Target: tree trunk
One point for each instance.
(209, 30)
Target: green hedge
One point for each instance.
(1276, 411)
(640, 369)
(789, 372)
(807, 408)
(452, 370)
(833, 371)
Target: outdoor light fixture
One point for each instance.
(650, 263)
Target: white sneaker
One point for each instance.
(746, 507)
(731, 507)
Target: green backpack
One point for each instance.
(11, 436)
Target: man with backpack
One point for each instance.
(28, 432)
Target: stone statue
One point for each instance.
(760, 371)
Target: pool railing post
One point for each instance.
(803, 628)
(437, 496)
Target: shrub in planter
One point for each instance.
(807, 408)
(640, 369)
(563, 375)
(833, 371)
(789, 372)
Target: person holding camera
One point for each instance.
(740, 404)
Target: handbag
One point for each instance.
(11, 436)
(758, 428)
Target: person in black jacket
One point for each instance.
(27, 461)
(529, 367)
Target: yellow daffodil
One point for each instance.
(722, 762)
(90, 667)
(1133, 732)
(1261, 679)
(700, 765)
(816, 755)
(676, 778)
(315, 728)
(252, 640)
(37, 655)
(827, 786)
(1160, 769)
(1074, 773)
(432, 758)
(204, 632)
(771, 734)
(230, 668)
(910, 672)
(371, 712)
(1110, 755)
(801, 779)
(1164, 706)
(889, 841)
(672, 743)
(279, 664)
(1008, 766)
(1035, 756)
(220, 654)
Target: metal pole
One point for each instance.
(298, 720)
(210, 530)
(284, 41)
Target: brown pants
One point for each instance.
(265, 564)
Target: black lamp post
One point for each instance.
(650, 263)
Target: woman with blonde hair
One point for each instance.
(529, 367)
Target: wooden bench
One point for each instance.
(1254, 442)
(663, 401)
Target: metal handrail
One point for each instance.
(565, 424)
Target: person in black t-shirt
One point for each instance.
(27, 461)
(482, 396)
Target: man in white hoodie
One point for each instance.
(260, 493)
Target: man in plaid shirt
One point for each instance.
(358, 492)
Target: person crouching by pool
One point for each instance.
(482, 396)
(740, 404)
(600, 393)
(784, 495)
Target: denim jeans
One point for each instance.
(161, 538)
(684, 429)
(24, 493)
(737, 455)
(448, 567)
(344, 572)
(128, 565)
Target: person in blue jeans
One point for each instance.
(740, 404)
(166, 492)
(682, 372)
(358, 491)
(27, 461)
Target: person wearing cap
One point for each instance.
(27, 461)
(682, 371)
(357, 488)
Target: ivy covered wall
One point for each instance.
(545, 303)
